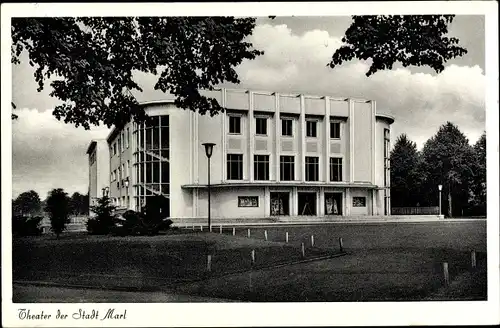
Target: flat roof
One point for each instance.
(386, 117)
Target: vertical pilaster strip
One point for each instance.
(224, 135)
(321, 201)
(192, 144)
(196, 148)
(348, 202)
(294, 210)
(351, 139)
(277, 142)
(373, 140)
(251, 135)
(326, 139)
(302, 120)
(267, 202)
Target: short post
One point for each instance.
(286, 237)
(193, 226)
(312, 240)
(265, 235)
(248, 233)
(341, 244)
(210, 227)
(446, 274)
(234, 231)
(220, 228)
(303, 250)
(209, 263)
(252, 254)
(201, 227)
(473, 259)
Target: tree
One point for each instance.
(448, 158)
(58, 209)
(79, 204)
(410, 40)
(104, 219)
(27, 204)
(478, 182)
(94, 58)
(404, 178)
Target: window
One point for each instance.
(127, 168)
(312, 168)
(335, 130)
(287, 127)
(261, 167)
(235, 124)
(114, 148)
(335, 169)
(359, 202)
(234, 167)
(287, 168)
(127, 138)
(248, 201)
(311, 129)
(261, 126)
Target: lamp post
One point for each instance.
(209, 147)
(440, 187)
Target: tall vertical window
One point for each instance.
(127, 138)
(287, 168)
(335, 169)
(286, 127)
(312, 168)
(335, 130)
(261, 167)
(235, 124)
(234, 167)
(387, 171)
(114, 148)
(261, 125)
(127, 167)
(311, 129)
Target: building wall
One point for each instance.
(360, 146)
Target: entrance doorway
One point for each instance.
(333, 203)
(307, 203)
(280, 203)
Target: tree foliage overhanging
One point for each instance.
(93, 59)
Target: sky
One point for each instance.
(47, 153)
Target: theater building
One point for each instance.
(275, 155)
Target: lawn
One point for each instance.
(389, 261)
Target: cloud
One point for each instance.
(420, 102)
(47, 153)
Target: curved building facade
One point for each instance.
(275, 155)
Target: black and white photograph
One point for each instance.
(250, 164)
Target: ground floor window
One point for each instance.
(307, 203)
(333, 203)
(359, 202)
(280, 203)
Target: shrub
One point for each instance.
(104, 221)
(136, 223)
(26, 226)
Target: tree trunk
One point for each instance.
(450, 212)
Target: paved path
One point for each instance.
(28, 293)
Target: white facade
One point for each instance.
(337, 147)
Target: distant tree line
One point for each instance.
(28, 210)
(446, 159)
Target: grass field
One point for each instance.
(390, 261)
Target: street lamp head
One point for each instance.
(440, 187)
(209, 147)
